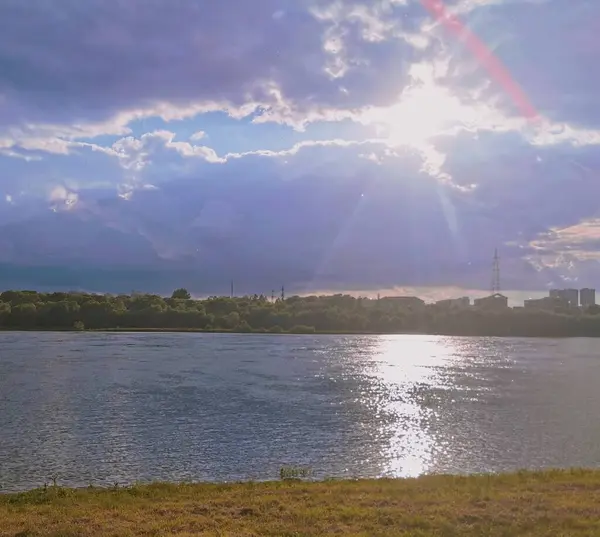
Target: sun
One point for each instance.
(423, 112)
(426, 109)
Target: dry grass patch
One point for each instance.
(558, 503)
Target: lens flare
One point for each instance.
(496, 70)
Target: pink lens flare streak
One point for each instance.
(484, 55)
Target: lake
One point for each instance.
(105, 408)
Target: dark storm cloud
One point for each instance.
(80, 61)
(524, 187)
(322, 217)
(261, 221)
(86, 60)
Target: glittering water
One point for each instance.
(124, 407)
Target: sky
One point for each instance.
(325, 145)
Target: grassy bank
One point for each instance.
(553, 503)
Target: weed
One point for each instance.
(294, 472)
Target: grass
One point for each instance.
(552, 503)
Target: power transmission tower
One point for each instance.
(231, 296)
(282, 292)
(496, 273)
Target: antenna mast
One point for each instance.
(496, 273)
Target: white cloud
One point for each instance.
(546, 133)
(153, 140)
(301, 145)
(135, 155)
(131, 153)
(61, 139)
(568, 255)
(580, 239)
(466, 6)
(186, 149)
(62, 198)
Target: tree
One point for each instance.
(181, 294)
(76, 311)
(231, 320)
(23, 315)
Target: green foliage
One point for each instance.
(293, 472)
(299, 315)
(181, 293)
(243, 327)
(302, 329)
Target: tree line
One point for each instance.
(258, 313)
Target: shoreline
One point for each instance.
(551, 502)
(257, 314)
(285, 332)
(215, 331)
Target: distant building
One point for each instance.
(492, 302)
(587, 297)
(408, 301)
(570, 295)
(547, 303)
(463, 302)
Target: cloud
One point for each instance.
(130, 55)
(136, 154)
(62, 198)
(323, 61)
(133, 152)
(322, 214)
(318, 215)
(569, 253)
(156, 134)
(580, 240)
(548, 48)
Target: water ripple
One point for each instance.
(124, 407)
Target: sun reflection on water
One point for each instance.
(408, 368)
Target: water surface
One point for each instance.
(107, 408)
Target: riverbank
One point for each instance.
(527, 503)
(329, 314)
(214, 331)
(282, 332)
